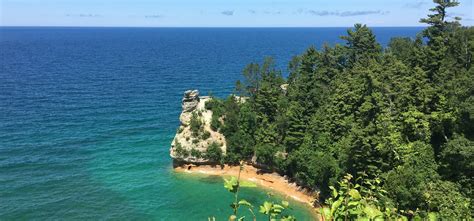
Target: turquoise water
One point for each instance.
(87, 116)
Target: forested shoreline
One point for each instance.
(399, 120)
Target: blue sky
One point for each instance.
(221, 13)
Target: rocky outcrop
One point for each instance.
(190, 146)
(190, 100)
(188, 104)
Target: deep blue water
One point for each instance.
(87, 115)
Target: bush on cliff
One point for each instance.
(214, 152)
(195, 124)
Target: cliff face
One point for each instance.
(194, 136)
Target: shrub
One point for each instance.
(195, 124)
(205, 135)
(457, 162)
(214, 152)
(215, 123)
(265, 154)
(180, 151)
(315, 168)
(196, 153)
(364, 200)
(405, 183)
(215, 105)
(445, 198)
(209, 104)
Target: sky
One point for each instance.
(222, 13)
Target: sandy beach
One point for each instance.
(271, 181)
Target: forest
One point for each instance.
(389, 129)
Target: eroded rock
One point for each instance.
(190, 100)
(185, 142)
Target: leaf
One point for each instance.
(432, 216)
(231, 184)
(335, 205)
(266, 208)
(372, 212)
(285, 204)
(277, 206)
(354, 194)
(245, 203)
(326, 212)
(334, 191)
(353, 203)
(262, 210)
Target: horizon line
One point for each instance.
(61, 26)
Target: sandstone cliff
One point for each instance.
(194, 136)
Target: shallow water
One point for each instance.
(87, 116)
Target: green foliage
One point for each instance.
(181, 151)
(404, 114)
(401, 48)
(359, 201)
(457, 162)
(265, 154)
(296, 126)
(214, 152)
(215, 123)
(362, 45)
(406, 182)
(217, 107)
(314, 168)
(205, 135)
(274, 211)
(445, 197)
(195, 124)
(196, 153)
(231, 184)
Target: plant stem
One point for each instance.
(241, 167)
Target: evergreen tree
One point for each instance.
(403, 114)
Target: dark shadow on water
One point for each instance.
(211, 179)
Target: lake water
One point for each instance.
(87, 116)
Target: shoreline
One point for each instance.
(269, 181)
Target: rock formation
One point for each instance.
(190, 100)
(190, 146)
